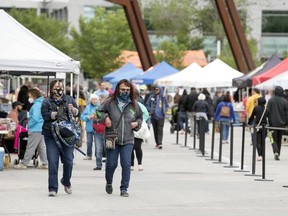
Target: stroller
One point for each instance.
(22, 144)
(173, 119)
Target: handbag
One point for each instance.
(111, 135)
(99, 127)
(143, 133)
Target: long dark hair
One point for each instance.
(52, 85)
(132, 91)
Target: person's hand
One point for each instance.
(108, 122)
(134, 124)
(71, 107)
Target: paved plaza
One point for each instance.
(176, 181)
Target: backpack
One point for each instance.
(225, 111)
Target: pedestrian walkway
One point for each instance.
(175, 181)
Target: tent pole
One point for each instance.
(71, 85)
(78, 88)
(48, 88)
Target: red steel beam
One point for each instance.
(232, 39)
(240, 34)
(139, 32)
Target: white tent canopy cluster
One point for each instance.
(215, 74)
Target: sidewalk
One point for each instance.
(175, 181)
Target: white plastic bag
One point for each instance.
(143, 133)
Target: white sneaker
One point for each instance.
(132, 168)
(52, 194)
(87, 158)
(140, 167)
(259, 158)
(20, 166)
(43, 166)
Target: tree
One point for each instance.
(101, 40)
(49, 29)
(171, 53)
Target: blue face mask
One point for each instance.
(124, 96)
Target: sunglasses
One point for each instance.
(125, 89)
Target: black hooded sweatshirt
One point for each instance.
(277, 109)
(258, 112)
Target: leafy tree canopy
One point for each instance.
(101, 40)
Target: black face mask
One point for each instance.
(58, 92)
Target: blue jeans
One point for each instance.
(99, 149)
(53, 154)
(90, 137)
(125, 152)
(225, 128)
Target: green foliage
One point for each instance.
(171, 53)
(101, 40)
(49, 29)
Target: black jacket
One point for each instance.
(190, 101)
(49, 105)
(277, 109)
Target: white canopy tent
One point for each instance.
(185, 77)
(216, 74)
(279, 80)
(24, 53)
(22, 50)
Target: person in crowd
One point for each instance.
(255, 94)
(201, 108)
(137, 141)
(143, 94)
(101, 89)
(177, 95)
(121, 106)
(189, 102)
(35, 137)
(50, 111)
(182, 111)
(209, 101)
(17, 106)
(23, 98)
(277, 109)
(259, 116)
(157, 105)
(225, 113)
(88, 116)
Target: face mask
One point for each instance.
(31, 100)
(124, 96)
(58, 92)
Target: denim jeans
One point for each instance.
(99, 149)
(225, 128)
(90, 137)
(53, 154)
(125, 152)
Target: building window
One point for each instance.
(275, 23)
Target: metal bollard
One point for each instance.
(177, 129)
(242, 150)
(212, 142)
(231, 146)
(263, 156)
(254, 153)
(220, 146)
(186, 127)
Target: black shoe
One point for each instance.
(109, 188)
(160, 147)
(124, 193)
(276, 156)
(97, 168)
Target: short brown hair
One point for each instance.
(34, 92)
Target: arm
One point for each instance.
(84, 116)
(47, 111)
(232, 114)
(251, 118)
(139, 118)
